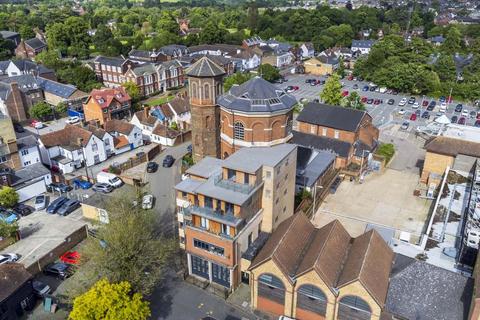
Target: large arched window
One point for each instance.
(311, 298)
(271, 287)
(354, 308)
(238, 131)
(207, 91)
(194, 90)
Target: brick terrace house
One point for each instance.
(349, 133)
(9, 157)
(145, 77)
(28, 49)
(224, 205)
(18, 94)
(107, 104)
(254, 113)
(111, 71)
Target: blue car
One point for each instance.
(8, 217)
(442, 99)
(365, 88)
(56, 204)
(82, 184)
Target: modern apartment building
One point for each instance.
(224, 205)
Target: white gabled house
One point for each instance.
(28, 151)
(307, 50)
(126, 136)
(145, 121)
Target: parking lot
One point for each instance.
(382, 113)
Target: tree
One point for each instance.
(105, 43)
(110, 301)
(40, 110)
(61, 108)
(6, 48)
(8, 197)
(82, 77)
(332, 92)
(269, 72)
(132, 90)
(212, 33)
(132, 247)
(8, 230)
(236, 78)
(453, 40)
(341, 68)
(354, 101)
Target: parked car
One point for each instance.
(147, 201)
(60, 187)
(415, 105)
(391, 102)
(425, 103)
(40, 289)
(402, 102)
(405, 125)
(365, 88)
(40, 202)
(459, 107)
(22, 210)
(335, 184)
(72, 120)
(168, 161)
(68, 207)
(442, 99)
(82, 184)
(56, 204)
(102, 187)
(454, 119)
(413, 117)
(109, 178)
(314, 82)
(430, 107)
(411, 100)
(309, 80)
(59, 270)
(418, 112)
(402, 111)
(394, 92)
(140, 154)
(364, 99)
(473, 114)
(377, 101)
(477, 123)
(462, 120)
(355, 87)
(465, 113)
(70, 257)
(372, 89)
(345, 93)
(36, 124)
(18, 128)
(189, 148)
(8, 258)
(152, 167)
(426, 115)
(370, 101)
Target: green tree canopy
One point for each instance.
(332, 91)
(40, 110)
(236, 78)
(212, 33)
(110, 301)
(268, 72)
(132, 90)
(8, 197)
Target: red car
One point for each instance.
(345, 93)
(413, 117)
(350, 77)
(295, 88)
(364, 99)
(70, 257)
(462, 120)
(377, 101)
(425, 103)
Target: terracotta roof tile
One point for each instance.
(68, 137)
(453, 147)
(162, 131)
(120, 142)
(146, 120)
(166, 110)
(120, 126)
(104, 97)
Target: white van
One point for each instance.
(109, 178)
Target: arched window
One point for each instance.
(312, 299)
(207, 91)
(354, 307)
(219, 89)
(271, 287)
(238, 131)
(208, 119)
(194, 90)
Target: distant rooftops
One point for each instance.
(257, 96)
(363, 43)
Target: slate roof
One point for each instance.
(97, 132)
(311, 165)
(57, 88)
(144, 69)
(68, 137)
(148, 120)
(14, 275)
(173, 48)
(140, 53)
(341, 148)
(257, 96)
(119, 126)
(8, 34)
(110, 61)
(27, 175)
(25, 65)
(26, 82)
(439, 39)
(35, 43)
(297, 247)
(26, 142)
(180, 105)
(332, 117)
(452, 147)
(205, 67)
(419, 290)
(363, 43)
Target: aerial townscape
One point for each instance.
(239, 159)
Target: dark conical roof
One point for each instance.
(205, 67)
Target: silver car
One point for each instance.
(147, 202)
(40, 202)
(102, 187)
(8, 257)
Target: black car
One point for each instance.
(394, 92)
(370, 101)
(411, 100)
(68, 207)
(430, 107)
(309, 80)
(459, 107)
(454, 119)
(426, 115)
(391, 102)
(168, 161)
(59, 270)
(373, 88)
(60, 187)
(40, 289)
(22, 210)
(56, 204)
(152, 167)
(18, 128)
(355, 86)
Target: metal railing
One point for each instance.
(232, 185)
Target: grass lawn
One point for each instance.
(155, 101)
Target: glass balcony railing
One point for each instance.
(232, 185)
(216, 215)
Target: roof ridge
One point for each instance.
(367, 251)
(305, 249)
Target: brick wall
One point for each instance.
(229, 254)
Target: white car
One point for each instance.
(72, 120)
(465, 113)
(402, 111)
(8, 257)
(147, 202)
(415, 105)
(38, 125)
(382, 90)
(402, 102)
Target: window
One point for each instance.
(200, 267)
(250, 238)
(324, 132)
(246, 178)
(207, 91)
(312, 128)
(311, 298)
(268, 174)
(3, 159)
(26, 163)
(79, 152)
(204, 223)
(24, 152)
(285, 192)
(238, 131)
(107, 142)
(230, 174)
(220, 275)
(115, 79)
(336, 134)
(208, 202)
(226, 229)
(94, 147)
(228, 208)
(208, 247)
(271, 288)
(184, 194)
(353, 307)
(194, 90)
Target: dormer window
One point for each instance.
(100, 100)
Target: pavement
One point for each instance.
(382, 113)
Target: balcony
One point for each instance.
(212, 214)
(232, 185)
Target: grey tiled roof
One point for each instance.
(338, 147)
(111, 61)
(26, 142)
(56, 88)
(257, 96)
(170, 50)
(331, 116)
(363, 43)
(419, 290)
(35, 43)
(205, 67)
(28, 174)
(8, 34)
(146, 68)
(26, 82)
(311, 164)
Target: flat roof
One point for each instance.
(206, 167)
(469, 133)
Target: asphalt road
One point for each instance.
(383, 113)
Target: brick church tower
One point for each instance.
(205, 84)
